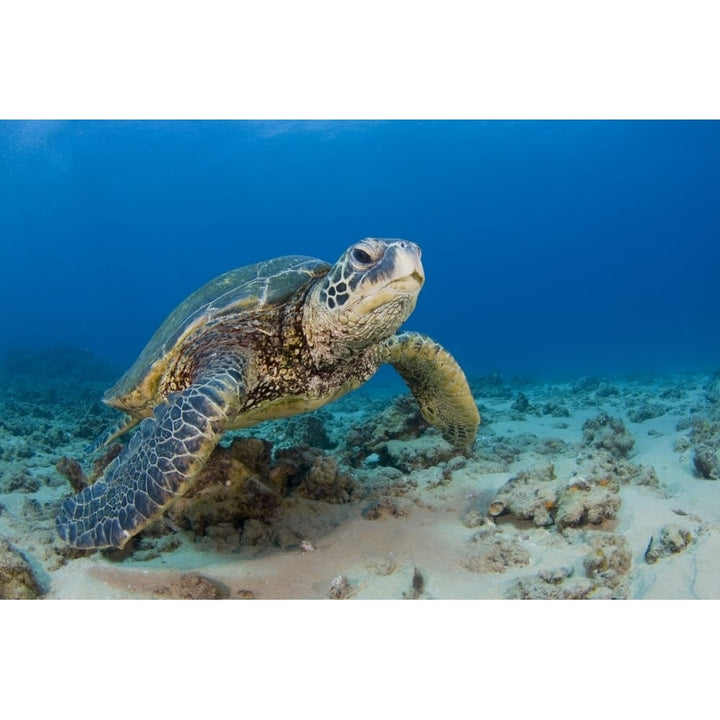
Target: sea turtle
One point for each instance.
(269, 340)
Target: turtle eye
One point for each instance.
(360, 256)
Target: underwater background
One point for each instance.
(552, 249)
(571, 268)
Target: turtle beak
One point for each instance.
(408, 267)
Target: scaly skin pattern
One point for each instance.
(159, 464)
(438, 384)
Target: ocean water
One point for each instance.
(552, 249)
(571, 268)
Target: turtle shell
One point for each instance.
(242, 291)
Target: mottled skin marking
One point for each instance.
(267, 341)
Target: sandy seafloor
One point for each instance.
(589, 488)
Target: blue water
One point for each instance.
(551, 249)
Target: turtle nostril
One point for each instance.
(407, 245)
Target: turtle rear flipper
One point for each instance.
(438, 384)
(158, 465)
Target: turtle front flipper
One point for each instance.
(159, 464)
(438, 384)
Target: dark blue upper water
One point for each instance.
(551, 248)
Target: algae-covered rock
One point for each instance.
(161, 585)
(706, 462)
(555, 410)
(396, 437)
(646, 411)
(311, 430)
(587, 501)
(609, 558)
(189, 586)
(530, 495)
(671, 540)
(386, 506)
(19, 480)
(608, 433)
(542, 587)
(315, 476)
(242, 482)
(406, 456)
(324, 481)
(704, 431)
(341, 588)
(536, 495)
(473, 519)
(521, 404)
(234, 485)
(493, 553)
(606, 467)
(17, 579)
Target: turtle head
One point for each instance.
(365, 297)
